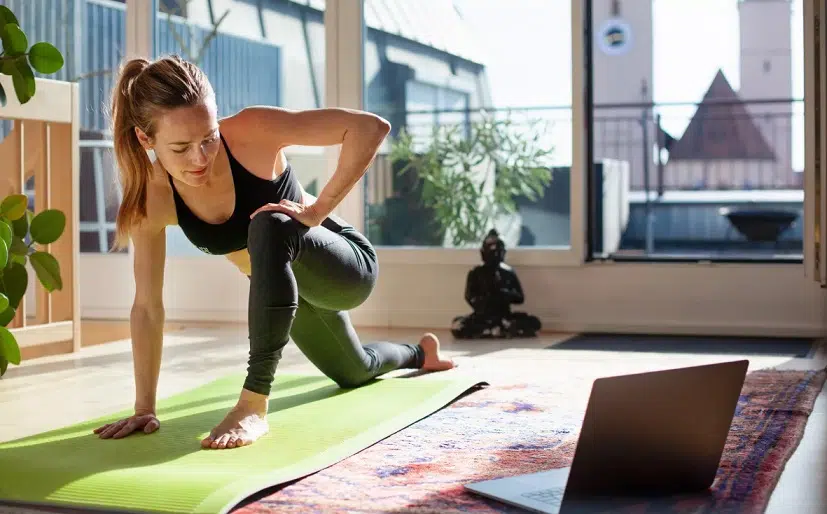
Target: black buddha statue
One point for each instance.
(491, 288)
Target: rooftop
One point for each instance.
(721, 129)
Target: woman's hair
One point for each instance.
(143, 91)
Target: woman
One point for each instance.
(227, 184)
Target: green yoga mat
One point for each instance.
(313, 425)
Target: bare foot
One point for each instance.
(433, 360)
(243, 425)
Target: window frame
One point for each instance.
(348, 85)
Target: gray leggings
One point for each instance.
(303, 281)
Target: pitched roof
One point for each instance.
(439, 25)
(722, 128)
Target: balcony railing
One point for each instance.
(720, 145)
(686, 166)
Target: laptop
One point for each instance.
(643, 435)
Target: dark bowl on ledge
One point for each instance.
(761, 225)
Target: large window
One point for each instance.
(482, 125)
(698, 129)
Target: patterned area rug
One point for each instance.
(500, 431)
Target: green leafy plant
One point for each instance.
(468, 180)
(18, 59)
(18, 224)
(24, 235)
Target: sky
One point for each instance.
(692, 40)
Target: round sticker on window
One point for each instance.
(615, 37)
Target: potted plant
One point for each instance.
(467, 176)
(24, 234)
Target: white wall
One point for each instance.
(743, 299)
(747, 299)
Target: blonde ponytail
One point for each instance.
(133, 162)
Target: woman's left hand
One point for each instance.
(304, 214)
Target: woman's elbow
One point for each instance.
(375, 126)
(384, 126)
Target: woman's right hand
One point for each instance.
(146, 422)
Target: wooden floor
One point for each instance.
(47, 392)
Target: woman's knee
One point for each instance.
(356, 372)
(352, 379)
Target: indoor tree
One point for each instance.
(469, 174)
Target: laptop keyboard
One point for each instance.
(551, 496)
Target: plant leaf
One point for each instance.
(15, 282)
(6, 232)
(8, 346)
(3, 99)
(21, 225)
(4, 254)
(7, 67)
(4, 302)
(47, 270)
(15, 42)
(4, 365)
(45, 58)
(6, 16)
(7, 315)
(14, 206)
(18, 248)
(23, 80)
(47, 226)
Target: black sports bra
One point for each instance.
(251, 192)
